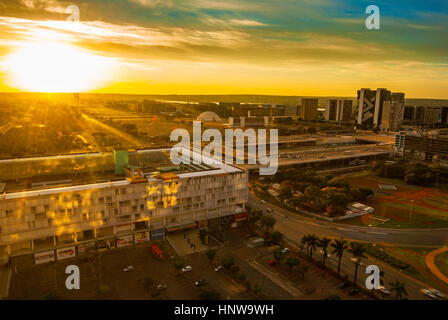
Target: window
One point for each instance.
(33, 209)
(50, 222)
(117, 192)
(101, 200)
(123, 191)
(137, 216)
(8, 213)
(40, 215)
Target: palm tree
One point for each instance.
(313, 242)
(323, 243)
(399, 289)
(357, 250)
(339, 247)
(306, 241)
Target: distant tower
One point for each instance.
(76, 97)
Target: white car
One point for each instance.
(428, 293)
(219, 268)
(383, 290)
(269, 210)
(285, 250)
(128, 268)
(161, 287)
(437, 293)
(186, 269)
(262, 201)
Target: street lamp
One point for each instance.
(410, 210)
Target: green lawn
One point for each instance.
(441, 261)
(415, 256)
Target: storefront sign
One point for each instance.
(43, 257)
(66, 253)
(124, 241)
(141, 237)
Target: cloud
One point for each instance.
(153, 3)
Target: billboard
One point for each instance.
(158, 234)
(44, 257)
(141, 237)
(124, 241)
(66, 253)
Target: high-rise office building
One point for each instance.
(308, 110)
(392, 116)
(370, 105)
(338, 110)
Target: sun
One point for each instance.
(55, 67)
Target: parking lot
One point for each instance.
(103, 277)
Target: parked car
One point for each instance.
(437, 293)
(200, 283)
(428, 293)
(262, 201)
(285, 250)
(342, 285)
(161, 287)
(219, 268)
(383, 290)
(128, 268)
(186, 269)
(272, 262)
(269, 210)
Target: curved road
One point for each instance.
(295, 226)
(302, 225)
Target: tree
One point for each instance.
(312, 192)
(277, 237)
(179, 263)
(313, 242)
(211, 253)
(292, 262)
(323, 243)
(268, 222)
(285, 192)
(339, 182)
(227, 262)
(306, 241)
(339, 246)
(357, 250)
(279, 255)
(399, 289)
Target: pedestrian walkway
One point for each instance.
(430, 257)
(186, 242)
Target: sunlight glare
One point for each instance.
(56, 67)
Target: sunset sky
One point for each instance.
(284, 47)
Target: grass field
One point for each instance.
(441, 261)
(407, 207)
(415, 257)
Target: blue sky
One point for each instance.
(297, 47)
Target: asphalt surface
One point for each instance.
(294, 227)
(306, 225)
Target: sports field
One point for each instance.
(408, 206)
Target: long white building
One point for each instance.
(60, 216)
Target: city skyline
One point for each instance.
(318, 48)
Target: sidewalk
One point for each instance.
(5, 278)
(432, 266)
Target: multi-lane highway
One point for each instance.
(295, 226)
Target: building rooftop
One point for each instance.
(41, 175)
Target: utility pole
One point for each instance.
(410, 210)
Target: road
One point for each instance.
(294, 227)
